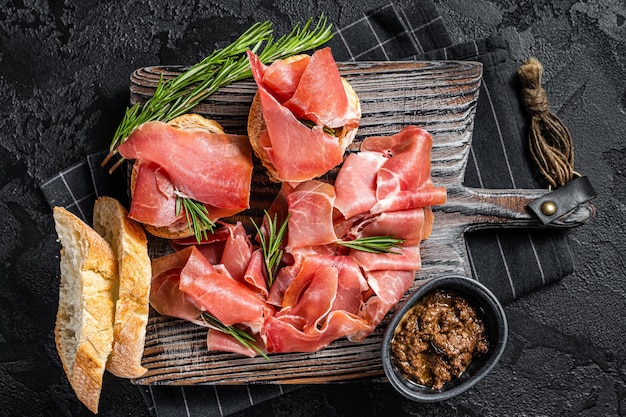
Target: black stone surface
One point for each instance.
(64, 76)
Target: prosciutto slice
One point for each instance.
(212, 168)
(355, 184)
(409, 225)
(223, 342)
(408, 160)
(388, 288)
(154, 200)
(165, 296)
(320, 95)
(283, 337)
(310, 205)
(228, 300)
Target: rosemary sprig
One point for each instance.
(328, 130)
(197, 216)
(241, 336)
(176, 96)
(374, 244)
(272, 245)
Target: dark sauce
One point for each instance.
(437, 339)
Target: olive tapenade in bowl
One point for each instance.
(444, 339)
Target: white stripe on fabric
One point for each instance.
(249, 395)
(495, 117)
(182, 391)
(369, 23)
(414, 38)
(74, 199)
(471, 261)
(506, 265)
(154, 404)
(60, 174)
(356, 22)
(219, 403)
(346, 45)
(532, 245)
(380, 45)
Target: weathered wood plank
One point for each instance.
(439, 96)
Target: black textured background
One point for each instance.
(64, 76)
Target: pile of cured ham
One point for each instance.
(322, 290)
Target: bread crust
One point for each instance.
(257, 126)
(189, 121)
(84, 323)
(130, 247)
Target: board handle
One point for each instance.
(486, 208)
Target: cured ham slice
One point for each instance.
(165, 296)
(282, 77)
(408, 160)
(320, 95)
(209, 167)
(355, 184)
(388, 288)
(408, 225)
(228, 300)
(283, 337)
(321, 304)
(223, 342)
(310, 205)
(407, 258)
(410, 199)
(154, 200)
(237, 251)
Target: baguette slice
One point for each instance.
(128, 241)
(189, 121)
(84, 324)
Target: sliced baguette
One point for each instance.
(189, 121)
(84, 323)
(128, 241)
(257, 127)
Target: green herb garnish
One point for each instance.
(272, 245)
(177, 96)
(241, 336)
(197, 216)
(373, 244)
(328, 130)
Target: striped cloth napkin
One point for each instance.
(510, 262)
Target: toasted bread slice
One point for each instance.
(130, 247)
(188, 121)
(257, 127)
(84, 322)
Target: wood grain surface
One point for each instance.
(438, 96)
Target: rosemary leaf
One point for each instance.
(374, 244)
(271, 245)
(244, 338)
(197, 216)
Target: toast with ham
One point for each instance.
(303, 116)
(128, 241)
(84, 323)
(217, 164)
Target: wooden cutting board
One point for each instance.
(438, 96)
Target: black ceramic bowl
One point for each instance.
(494, 318)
